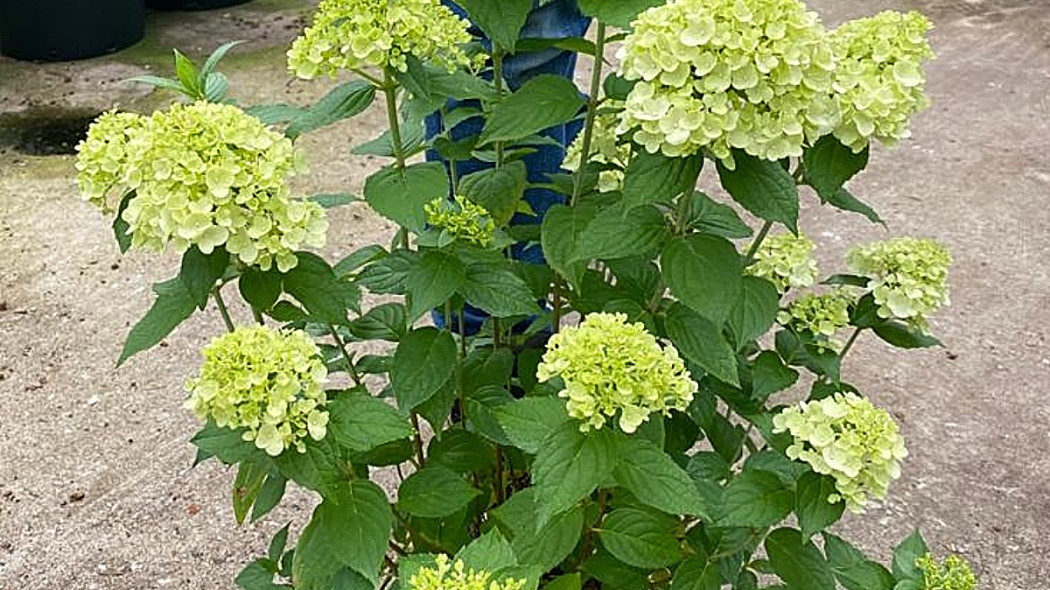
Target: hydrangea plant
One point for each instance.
(631, 411)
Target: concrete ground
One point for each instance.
(96, 489)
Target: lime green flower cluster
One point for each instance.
(879, 82)
(785, 260)
(821, 315)
(204, 175)
(265, 381)
(953, 574)
(462, 219)
(606, 148)
(610, 366)
(102, 155)
(908, 277)
(847, 437)
(359, 34)
(721, 74)
(448, 575)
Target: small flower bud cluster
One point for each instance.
(607, 148)
(204, 175)
(785, 260)
(907, 276)
(265, 381)
(612, 367)
(721, 74)
(448, 575)
(821, 316)
(765, 76)
(462, 219)
(848, 438)
(359, 34)
(953, 574)
(879, 82)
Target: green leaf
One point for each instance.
(216, 56)
(656, 178)
(569, 466)
(200, 272)
(815, 512)
(277, 544)
(905, 554)
(617, 87)
(320, 468)
(755, 312)
(260, 289)
(173, 305)
(159, 82)
(902, 335)
(618, 13)
(434, 492)
(351, 529)
(121, 227)
(770, 375)
(614, 574)
(342, 102)
(708, 465)
(641, 538)
(762, 187)
(432, 85)
(545, 546)
(215, 86)
(424, 361)
(711, 217)
(314, 284)
(226, 444)
(269, 497)
(755, 499)
(778, 464)
(843, 199)
(544, 101)
(487, 366)
(246, 486)
(529, 421)
(852, 569)
(362, 423)
(657, 481)
(256, 576)
(461, 451)
(402, 197)
(386, 321)
(333, 200)
(187, 73)
(272, 114)
(798, 562)
(616, 233)
(433, 280)
(701, 341)
(697, 573)
(489, 552)
(704, 272)
(479, 409)
(828, 165)
(501, 21)
(561, 231)
(565, 582)
(497, 290)
(389, 274)
(498, 190)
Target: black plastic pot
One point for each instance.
(192, 4)
(62, 30)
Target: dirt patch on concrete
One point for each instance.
(96, 489)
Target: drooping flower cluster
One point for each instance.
(880, 82)
(721, 74)
(607, 148)
(784, 260)
(907, 276)
(612, 367)
(953, 574)
(820, 315)
(847, 437)
(462, 219)
(360, 34)
(448, 575)
(265, 381)
(204, 175)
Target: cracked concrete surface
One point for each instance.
(96, 489)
